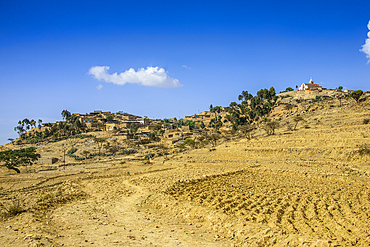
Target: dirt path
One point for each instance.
(118, 218)
(308, 187)
(112, 214)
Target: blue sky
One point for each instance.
(183, 55)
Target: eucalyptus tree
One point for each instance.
(65, 114)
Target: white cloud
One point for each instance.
(100, 86)
(366, 47)
(151, 77)
(186, 67)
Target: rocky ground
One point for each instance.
(308, 187)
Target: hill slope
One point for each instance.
(308, 187)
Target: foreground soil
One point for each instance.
(308, 187)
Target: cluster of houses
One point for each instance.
(99, 120)
(170, 130)
(121, 123)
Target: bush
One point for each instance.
(364, 149)
(14, 208)
(128, 151)
(356, 95)
(289, 127)
(366, 121)
(270, 127)
(71, 152)
(190, 142)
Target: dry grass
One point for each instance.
(295, 188)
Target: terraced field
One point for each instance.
(308, 187)
(323, 207)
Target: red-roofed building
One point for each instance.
(310, 86)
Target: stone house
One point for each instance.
(310, 86)
(111, 126)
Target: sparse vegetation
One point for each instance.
(213, 138)
(270, 127)
(14, 158)
(356, 95)
(247, 131)
(12, 208)
(364, 149)
(297, 119)
(99, 142)
(304, 165)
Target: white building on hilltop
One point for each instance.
(310, 86)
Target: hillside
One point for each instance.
(303, 187)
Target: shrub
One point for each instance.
(356, 95)
(247, 131)
(190, 142)
(14, 208)
(270, 127)
(366, 121)
(364, 149)
(72, 151)
(289, 127)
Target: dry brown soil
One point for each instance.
(308, 187)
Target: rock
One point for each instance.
(265, 238)
(331, 208)
(321, 243)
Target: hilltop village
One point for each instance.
(217, 120)
(287, 169)
(103, 133)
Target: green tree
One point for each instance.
(110, 118)
(133, 128)
(289, 89)
(65, 114)
(356, 95)
(272, 92)
(20, 128)
(189, 142)
(216, 122)
(190, 123)
(33, 123)
(340, 88)
(77, 124)
(157, 127)
(24, 126)
(14, 158)
(39, 123)
(245, 96)
(153, 136)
